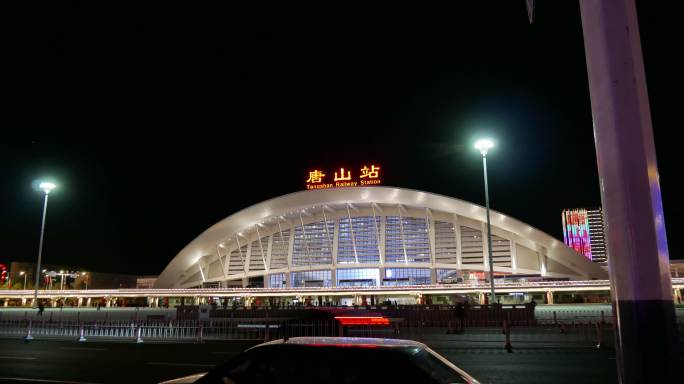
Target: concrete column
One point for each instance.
(290, 245)
(481, 297)
(431, 237)
(335, 238)
(88, 301)
(381, 240)
(248, 257)
(549, 297)
(108, 302)
(541, 254)
(6, 303)
(457, 233)
(23, 302)
(647, 339)
(269, 252)
(80, 301)
(514, 254)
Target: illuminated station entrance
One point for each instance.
(339, 239)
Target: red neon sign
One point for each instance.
(344, 177)
(362, 320)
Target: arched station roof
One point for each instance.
(206, 258)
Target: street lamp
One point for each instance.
(46, 187)
(484, 145)
(23, 273)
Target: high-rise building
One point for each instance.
(583, 231)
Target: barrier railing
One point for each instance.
(585, 333)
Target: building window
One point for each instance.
(277, 280)
(358, 277)
(279, 249)
(445, 243)
(406, 240)
(313, 243)
(447, 276)
(406, 276)
(471, 248)
(358, 240)
(311, 279)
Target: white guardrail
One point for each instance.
(541, 286)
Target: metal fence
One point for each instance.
(570, 333)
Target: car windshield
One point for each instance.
(334, 364)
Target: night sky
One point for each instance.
(159, 121)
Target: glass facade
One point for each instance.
(277, 280)
(358, 277)
(279, 248)
(311, 279)
(345, 250)
(447, 275)
(471, 246)
(406, 276)
(358, 240)
(257, 257)
(313, 243)
(406, 240)
(445, 243)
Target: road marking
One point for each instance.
(18, 357)
(84, 349)
(44, 380)
(181, 364)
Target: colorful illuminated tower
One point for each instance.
(583, 231)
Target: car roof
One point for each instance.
(345, 341)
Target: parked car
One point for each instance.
(334, 360)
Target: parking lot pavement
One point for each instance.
(119, 362)
(108, 362)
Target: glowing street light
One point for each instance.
(484, 145)
(47, 187)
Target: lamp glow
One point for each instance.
(47, 187)
(484, 145)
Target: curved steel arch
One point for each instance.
(304, 206)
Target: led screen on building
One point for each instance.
(576, 231)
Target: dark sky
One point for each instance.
(159, 121)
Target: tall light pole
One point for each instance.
(46, 187)
(484, 145)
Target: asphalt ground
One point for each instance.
(128, 362)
